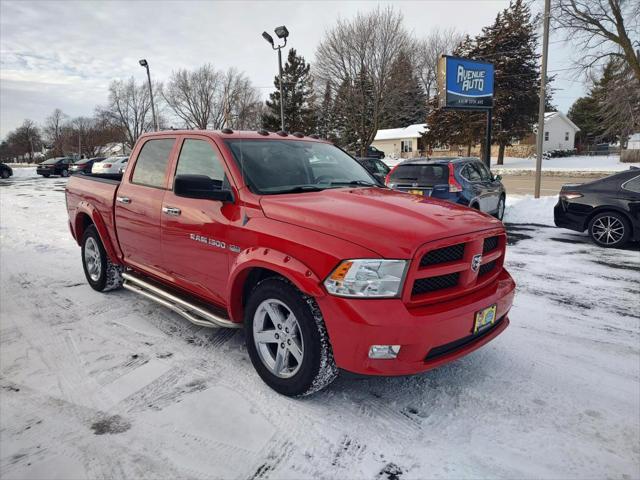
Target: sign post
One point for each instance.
(465, 84)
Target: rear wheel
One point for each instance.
(101, 273)
(5, 174)
(65, 173)
(287, 339)
(610, 229)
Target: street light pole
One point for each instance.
(282, 33)
(543, 86)
(145, 64)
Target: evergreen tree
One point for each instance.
(406, 102)
(510, 44)
(354, 112)
(325, 122)
(299, 98)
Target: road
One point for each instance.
(524, 184)
(114, 386)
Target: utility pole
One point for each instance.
(543, 87)
(280, 85)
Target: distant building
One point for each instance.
(559, 133)
(401, 142)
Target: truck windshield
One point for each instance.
(286, 166)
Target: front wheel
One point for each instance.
(609, 229)
(5, 174)
(500, 210)
(101, 273)
(287, 339)
(65, 173)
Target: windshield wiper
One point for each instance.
(362, 183)
(299, 189)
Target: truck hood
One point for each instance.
(390, 223)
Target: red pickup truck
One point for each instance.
(292, 239)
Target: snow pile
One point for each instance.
(579, 163)
(527, 209)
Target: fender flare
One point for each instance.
(91, 211)
(259, 257)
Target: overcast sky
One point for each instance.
(63, 54)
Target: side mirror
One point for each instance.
(201, 186)
(497, 177)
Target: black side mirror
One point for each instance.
(497, 177)
(201, 186)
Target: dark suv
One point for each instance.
(55, 166)
(377, 167)
(466, 181)
(5, 170)
(373, 152)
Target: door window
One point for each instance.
(485, 175)
(471, 173)
(151, 167)
(197, 157)
(633, 185)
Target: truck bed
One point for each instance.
(97, 191)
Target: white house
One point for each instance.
(400, 142)
(559, 132)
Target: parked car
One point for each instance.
(462, 180)
(84, 165)
(293, 239)
(5, 170)
(377, 167)
(55, 166)
(373, 152)
(109, 165)
(606, 208)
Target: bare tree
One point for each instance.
(25, 139)
(53, 130)
(426, 52)
(367, 46)
(604, 28)
(195, 96)
(130, 108)
(241, 102)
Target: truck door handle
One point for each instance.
(173, 211)
(126, 200)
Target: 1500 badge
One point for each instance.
(212, 242)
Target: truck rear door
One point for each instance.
(195, 231)
(138, 206)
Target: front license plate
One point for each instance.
(416, 192)
(484, 318)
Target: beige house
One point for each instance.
(401, 142)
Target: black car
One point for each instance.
(608, 208)
(462, 180)
(5, 170)
(55, 166)
(84, 165)
(376, 167)
(373, 152)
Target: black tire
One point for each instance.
(500, 211)
(5, 174)
(317, 369)
(475, 206)
(64, 173)
(110, 276)
(617, 236)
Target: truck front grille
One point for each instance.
(442, 255)
(490, 244)
(431, 284)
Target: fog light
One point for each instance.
(384, 351)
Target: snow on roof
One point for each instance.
(412, 131)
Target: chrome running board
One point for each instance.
(195, 314)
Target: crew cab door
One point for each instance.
(139, 204)
(195, 230)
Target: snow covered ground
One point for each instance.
(113, 386)
(577, 164)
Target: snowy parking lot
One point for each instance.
(113, 386)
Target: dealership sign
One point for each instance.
(464, 83)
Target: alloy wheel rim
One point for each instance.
(608, 230)
(278, 338)
(92, 259)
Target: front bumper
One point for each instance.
(429, 335)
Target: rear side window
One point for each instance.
(152, 162)
(482, 169)
(633, 185)
(197, 157)
(421, 174)
(471, 174)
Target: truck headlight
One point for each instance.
(367, 278)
